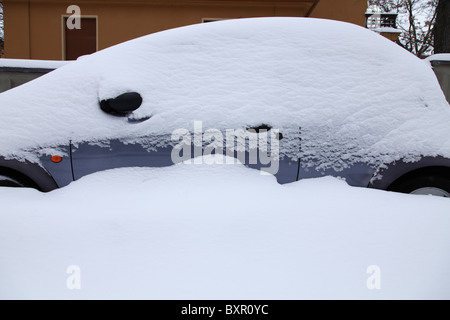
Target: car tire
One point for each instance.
(426, 184)
(7, 181)
(10, 178)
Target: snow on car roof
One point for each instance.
(354, 94)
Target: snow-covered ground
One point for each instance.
(221, 232)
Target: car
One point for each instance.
(441, 66)
(293, 97)
(15, 72)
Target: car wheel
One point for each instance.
(11, 178)
(8, 181)
(430, 184)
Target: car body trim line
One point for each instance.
(299, 152)
(71, 160)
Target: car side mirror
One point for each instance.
(122, 105)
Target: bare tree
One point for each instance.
(385, 5)
(416, 20)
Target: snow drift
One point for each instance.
(221, 232)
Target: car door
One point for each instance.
(90, 157)
(322, 154)
(276, 151)
(260, 147)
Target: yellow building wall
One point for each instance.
(390, 36)
(34, 28)
(343, 10)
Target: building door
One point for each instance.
(78, 42)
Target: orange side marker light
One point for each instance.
(56, 159)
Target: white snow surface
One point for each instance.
(356, 95)
(387, 29)
(439, 56)
(221, 232)
(29, 63)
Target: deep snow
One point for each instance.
(221, 232)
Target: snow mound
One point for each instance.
(221, 232)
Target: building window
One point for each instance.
(381, 20)
(78, 42)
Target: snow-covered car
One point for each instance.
(296, 97)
